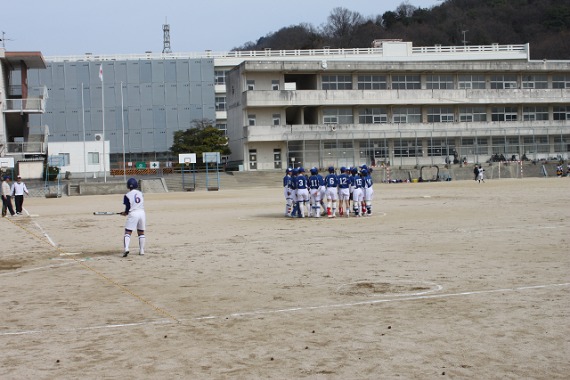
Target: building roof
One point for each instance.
(32, 59)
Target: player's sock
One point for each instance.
(127, 241)
(142, 240)
(317, 211)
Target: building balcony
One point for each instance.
(329, 98)
(261, 133)
(32, 104)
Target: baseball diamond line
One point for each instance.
(101, 275)
(420, 296)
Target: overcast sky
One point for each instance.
(71, 27)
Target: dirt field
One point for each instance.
(445, 280)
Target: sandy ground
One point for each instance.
(445, 280)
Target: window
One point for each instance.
(93, 158)
(561, 81)
(372, 82)
(504, 114)
(534, 81)
(406, 82)
(223, 127)
(561, 113)
(251, 120)
(250, 85)
(337, 116)
(220, 103)
(499, 82)
(562, 143)
(275, 84)
(439, 82)
(336, 82)
(253, 158)
(277, 158)
(472, 82)
(439, 147)
(373, 116)
(276, 119)
(440, 115)
(219, 77)
(407, 148)
(471, 114)
(535, 113)
(64, 159)
(407, 115)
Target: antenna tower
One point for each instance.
(166, 32)
(464, 37)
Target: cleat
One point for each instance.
(126, 254)
(141, 253)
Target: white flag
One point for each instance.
(101, 72)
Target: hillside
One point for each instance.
(545, 24)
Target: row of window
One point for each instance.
(380, 115)
(432, 82)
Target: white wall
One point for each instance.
(78, 156)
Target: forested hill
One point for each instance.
(545, 24)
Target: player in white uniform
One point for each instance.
(136, 217)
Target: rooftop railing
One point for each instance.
(475, 49)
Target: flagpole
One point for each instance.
(123, 125)
(103, 117)
(83, 124)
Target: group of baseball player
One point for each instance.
(305, 195)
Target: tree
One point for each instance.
(201, 137)
(341, 25)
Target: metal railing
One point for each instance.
(26, 148)
(23, 105)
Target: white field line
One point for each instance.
(42, 230)
(38, 268)
(290, 310)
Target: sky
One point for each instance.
(76, 27)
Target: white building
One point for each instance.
(81, 159)
(396, 104)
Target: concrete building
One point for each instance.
(23, 139)
(391, 103)
(397, 104)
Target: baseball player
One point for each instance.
(331, 184)
(316, 184)
(136, 217)
(302, 191)
(287, 192)
(368, 191)
(344, 191)
(357, 195)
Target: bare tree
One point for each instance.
(340, 26)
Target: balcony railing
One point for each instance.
(33, 105)
(26, 148)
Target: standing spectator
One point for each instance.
(6, 197)
(18, 190)
(481, 175)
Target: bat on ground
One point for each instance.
(106, 213)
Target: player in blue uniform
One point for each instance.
(136, 217)
(357, 195)
(287, 192)
(302, 191)
(316, 183)
(344, 191)
(293, 186)
(331, 192)
(368, 190)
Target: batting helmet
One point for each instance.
(132, 183)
